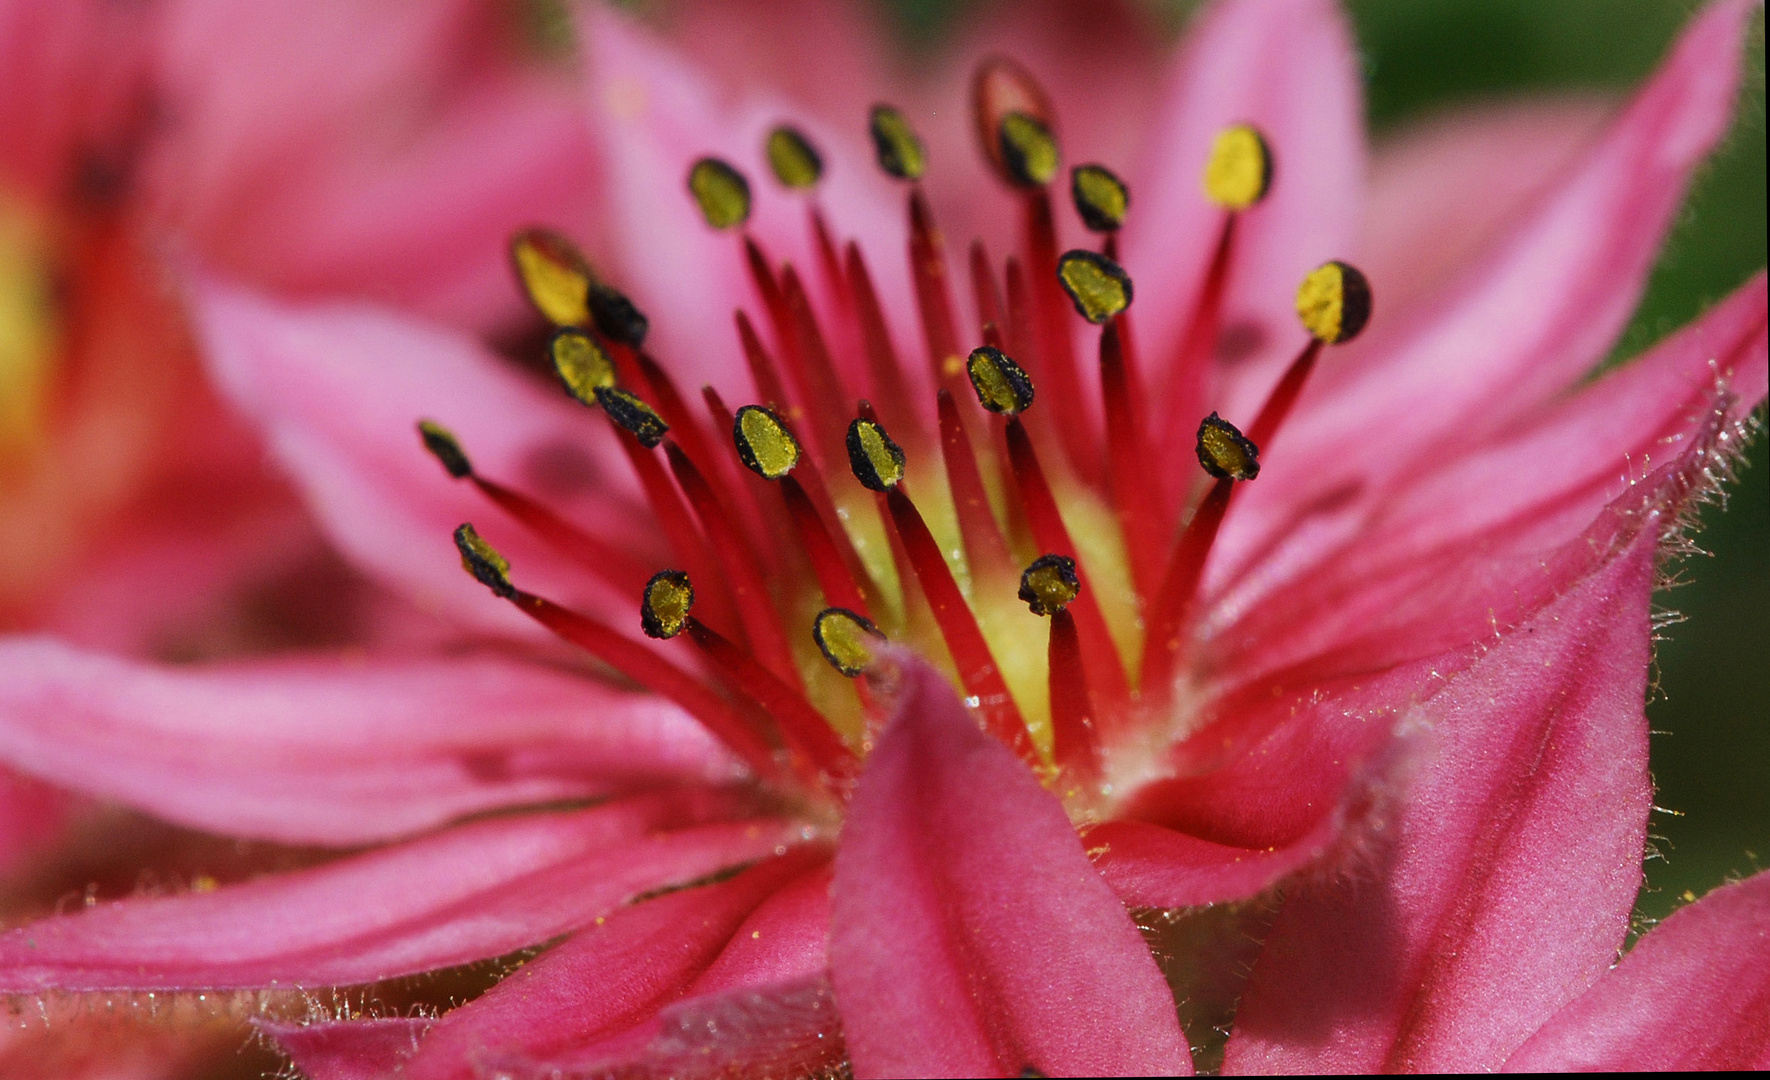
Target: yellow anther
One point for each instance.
(582, 364)
(1334, 302)
(764, 444)
(554, 275)
(1101, 198)
(668, 599)
(483, 561)
(631, 412)
(1240, 168)
(442, 444)
(878, 463)
(846, 640)
(796, 163)
(1225, 452)
(1001, 385)
(721, 192)
(1097, 286)
(900, 151)
(1029, 150)
(1000, 87)
(1050, 584)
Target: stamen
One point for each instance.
(884, 371)
(762, 370)
(582, 364)
(796, 163)
(1239, 171)
(985, 549)
(1098, 287)
(1050, 584)
(1334, 303)
(763, 442)
(1101, 198)
(1050, 533)
(1001, 385)
(614, 566)
(483, 561)
(804, 727)
(985, 294)
(739, 564)
(1128, 460)
(721, 192)
(633, 414)
(845, 638)
(1029, 150)
(878, 463)
(813, 368)
(555, 276)
(1225, 452)
(835, 576)
(1228, 455)
(1000, 88)
(933, 301)
(669, 597)
(617, 317)
(899, 150)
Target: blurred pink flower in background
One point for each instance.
(1408, 692)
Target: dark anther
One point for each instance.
(632, 413)
(1001, 385)
(1334, 302)
(483, 561)
(878, 463)
(763, 442)
(1098, 287)
(796, 163)
(1050, 584)
(441, 442)
(899, 150)
(616, 317)
(845, 639)
(1225, 452)
(1101, 198)
(1029, 150)
(668, 599)
(721, 192)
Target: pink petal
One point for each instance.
(338, 389)
(335, 752)
(386, 152)
(653, 115)
(1692, 994)
(1503, 885)
(1288, 68)
(348, 1049)
(609, 980)
(969, 935)
(1548, 301)
(473, 892)
(1444, 189)
(1375, 580)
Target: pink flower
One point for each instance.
(1395, 679)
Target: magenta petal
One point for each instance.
(1152, 866)
(473, 892)
(348, 1049)
(1503, 884)
(1543, 308)
(330, 752)
(969, 934)
(1693, 994)
(606, 980)
(338, 389)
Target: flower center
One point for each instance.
(1023, 549)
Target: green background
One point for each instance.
(1711, 749)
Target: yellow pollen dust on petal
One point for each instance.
(1098, 287)
(28, 329)
(443, 445)
(1240, 168)
(763, 442)
(1101, 198)
(1225, 452)
(582, 364)
(1334, 302)
(554, 274)
(483, 561)
(846, 640)
(878, 463)
(796, 163)
(721, 192)
(1050, 584)
(669, 597)
(899, 151)
(1002, 385)
(1029, 150)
